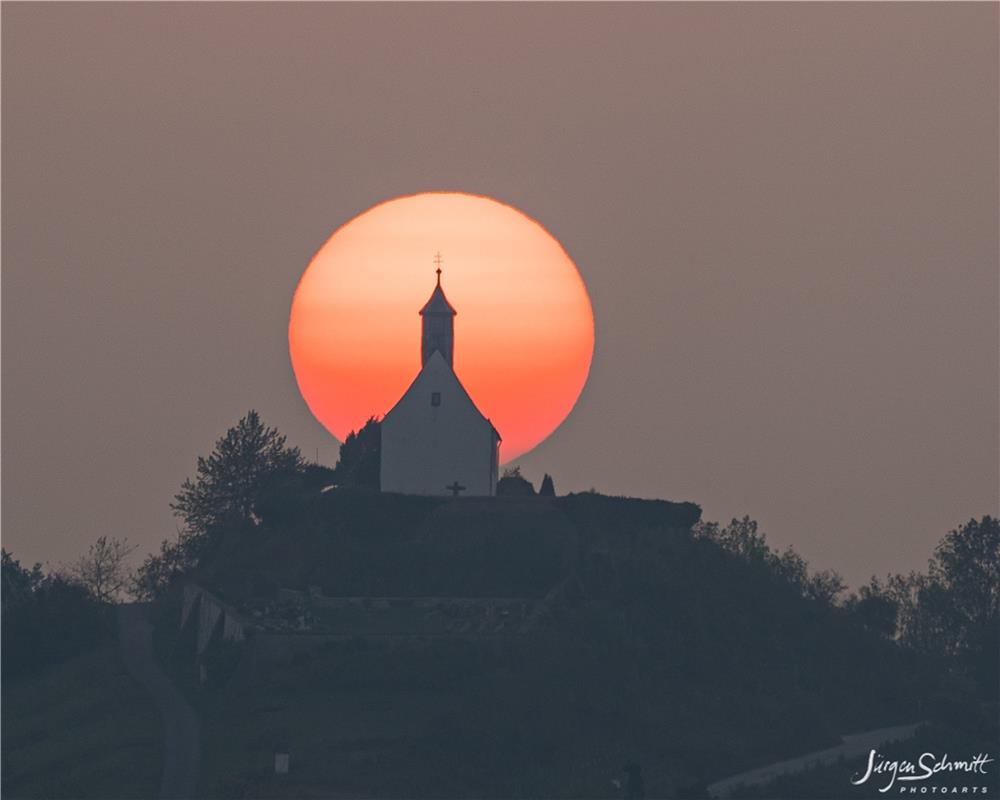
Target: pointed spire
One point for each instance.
(438, 304)
(438, 325)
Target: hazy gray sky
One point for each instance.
(786, 216)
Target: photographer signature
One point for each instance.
(925, 767)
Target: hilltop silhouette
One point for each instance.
(529, 645)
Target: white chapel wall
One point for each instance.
(426, 448)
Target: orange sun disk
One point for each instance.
(524, 333)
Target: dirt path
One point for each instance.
(181, 740)
(853, 745)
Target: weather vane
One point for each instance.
(438, 260)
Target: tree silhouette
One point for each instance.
(159, 572)
(230, 480)
(18, 583)
(965, 596)
(103, 570)
(967, 564)
(875, 608)
(548, 488)
(247, 462)
(952, 612)
(360, 461)
(743, 539)
(514, 484)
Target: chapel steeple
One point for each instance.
(438, 323)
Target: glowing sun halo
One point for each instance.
(524, 334)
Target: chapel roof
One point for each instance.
(437, 367)
(438, 304)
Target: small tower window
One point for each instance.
(435, 398)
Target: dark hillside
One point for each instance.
(656, 645)
(354, 542)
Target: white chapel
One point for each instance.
(434, 440)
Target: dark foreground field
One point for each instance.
(83, 729)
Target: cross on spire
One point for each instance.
(438, 260)
(455, 488)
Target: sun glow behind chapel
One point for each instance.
(525, 333)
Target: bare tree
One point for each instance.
(103, 570)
